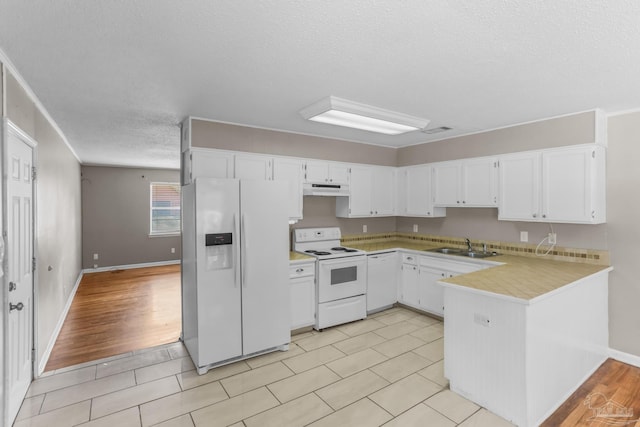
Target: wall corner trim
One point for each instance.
(42, 363)
(623, 357)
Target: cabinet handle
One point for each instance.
(464, 201)
(371, 212)
(376, 212)
(544, 215)
(458, 201)
(299, 270)
(12, 286)
(442, 274)
(428, 213)
(331, 180)
(409, 258)
(535, 215)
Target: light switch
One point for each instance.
(524, 236)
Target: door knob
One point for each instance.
(19, 306)
(12, 286)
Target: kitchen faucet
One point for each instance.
(469, 245)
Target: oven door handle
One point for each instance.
(358, 259)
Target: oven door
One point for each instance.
(342, 278)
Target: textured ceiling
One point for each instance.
(118, 76)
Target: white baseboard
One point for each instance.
(54, 337)
(627, 358)
(131, 266)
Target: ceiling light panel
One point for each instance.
(342, 112)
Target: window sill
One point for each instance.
(165, 235)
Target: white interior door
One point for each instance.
(18, 155)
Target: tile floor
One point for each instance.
(385, 370)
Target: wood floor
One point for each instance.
(610, 397)
(119, 311)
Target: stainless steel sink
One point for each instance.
(451, 251)
(462, 252)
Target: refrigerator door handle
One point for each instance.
(243, 246)
(235, 260)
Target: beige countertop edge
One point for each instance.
(450, 284)
(517, 265)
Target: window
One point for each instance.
(165, 208)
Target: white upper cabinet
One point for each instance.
(292, 171)
(248, 166)
(416, 193)
(446, 184)
(557, 185)
(470, 182)
(318, 171)
(383, 192)
(207, 163)
(520, 187)
(371, 192)
(573, 185)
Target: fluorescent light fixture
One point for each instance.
(341, 112)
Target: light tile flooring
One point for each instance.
(385, 370)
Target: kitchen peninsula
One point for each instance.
(520, 335)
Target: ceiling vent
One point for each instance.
(436, 130)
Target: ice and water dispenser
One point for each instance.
(219, 251)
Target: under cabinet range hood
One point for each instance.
(324, 189)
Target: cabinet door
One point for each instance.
(418, 191)
(361, 191)
(519, 187)
(430, 293)
(253, 167)
(446, 184)
(409, 285)
(383, 191)
(302, 293)
(480, 182)
(316, 171)
(211, 164)
(566, 185)
(291, 170)
(339, 173)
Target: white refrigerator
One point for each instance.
(235, 259)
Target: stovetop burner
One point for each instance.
(314, 252)
(341, 249)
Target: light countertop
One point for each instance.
(523, 278)
(297, 257)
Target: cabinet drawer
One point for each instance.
(410, 259)
(302, 270)
(449, 265)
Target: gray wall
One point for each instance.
(208, 134)
(115, 217)
(58, 225)
(558, 132)
(623, 229)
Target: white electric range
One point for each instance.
(341, 276)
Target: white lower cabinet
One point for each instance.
(419, 276)
(303, 294)
(408, 286)
(430, 293)
(381, 280)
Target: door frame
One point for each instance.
(8, 127)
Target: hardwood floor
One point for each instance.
(119, 311)
(610, 397)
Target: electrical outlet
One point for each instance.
(415, 228)
(552, 238)
(173, 250)
(524, 236)
(364, 228)
(95, 256)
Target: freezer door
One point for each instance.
(218, 280)
(264, 234)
